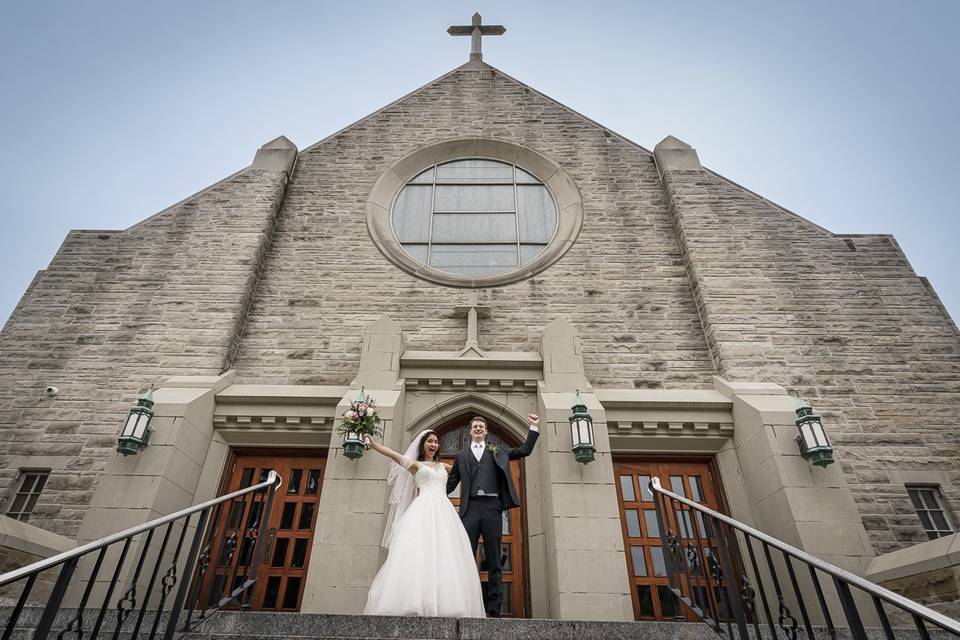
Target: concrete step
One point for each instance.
(252, 625)
(270, 626)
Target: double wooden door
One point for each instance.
(290, 527)
(646, 564)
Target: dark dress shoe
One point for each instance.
(493, 613)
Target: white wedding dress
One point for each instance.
(430, 570)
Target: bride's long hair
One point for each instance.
(421, 452)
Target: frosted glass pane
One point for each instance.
(477, 271)
(470, 198)
(424, 178)
(639, 561)
(659, 564)
(530, 251)
(474, 227)
(524, 177)
(650, 518)
(475, 171)
(479, 259)
(418, 251)
(537, 214)
(411, 214)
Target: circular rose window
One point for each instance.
(474, 213)
(474, 217)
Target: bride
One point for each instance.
(430, 570)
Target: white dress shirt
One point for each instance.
(478, 447)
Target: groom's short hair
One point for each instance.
(480, 419)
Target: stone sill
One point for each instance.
(663, 399)
(286, 393)
(932, 555)
(24, 537)
(489, 359)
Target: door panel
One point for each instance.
(646, 565)
(286, 556)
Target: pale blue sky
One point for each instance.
(844, 112)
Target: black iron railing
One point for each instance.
(143, 566)
(746, 584)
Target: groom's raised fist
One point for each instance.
(534, 419)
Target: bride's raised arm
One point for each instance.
(403, 461)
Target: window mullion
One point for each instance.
(516, 213)
(433, 206)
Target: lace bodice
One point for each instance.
(431, 477)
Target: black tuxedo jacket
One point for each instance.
(465, 468)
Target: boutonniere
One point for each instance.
(493, 449)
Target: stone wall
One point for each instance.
(114, 312)
(622, 284)
(939, 590)
(841, 320)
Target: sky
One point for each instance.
(845, 113)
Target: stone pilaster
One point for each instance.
(582, 547)
(805, 506)
(346, 550)
(162, 479)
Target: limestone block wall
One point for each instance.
(938, 589)
(114, 312)
(842, 320)
(623, 284)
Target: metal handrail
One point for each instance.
(830, 569)
(273, 478)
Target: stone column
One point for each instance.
(582, 542)
(346, 552)
(805, 506)
(160, 480)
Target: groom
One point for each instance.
(487, 491)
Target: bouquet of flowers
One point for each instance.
(361, 419)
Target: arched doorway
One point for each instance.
(454, 434)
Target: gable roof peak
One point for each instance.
(671, 142)
(280, 142)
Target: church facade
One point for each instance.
(476, 248)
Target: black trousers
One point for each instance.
(483, 519)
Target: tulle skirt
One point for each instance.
(430, 570)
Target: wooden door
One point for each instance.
(511, 551)
(646, 566)
(290, 528)
(512, 544)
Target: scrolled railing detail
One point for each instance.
(749, 595)
(741, 584)
(786, 621)
(185, 590)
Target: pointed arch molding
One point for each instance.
(480, 404)
(557, 181)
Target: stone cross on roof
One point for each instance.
(476, 31)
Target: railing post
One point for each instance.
(261, 542)
(56, 599)
(188, 571)
(850, 610)
(733, 584)
(15, 614)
